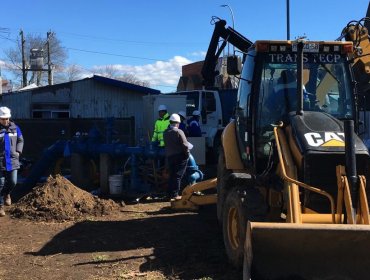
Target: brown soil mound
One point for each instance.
(59, 200)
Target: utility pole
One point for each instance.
(232, 18)
(50, 78)
(287, 20)
(24, 83)
(1, 83)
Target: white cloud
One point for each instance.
(200, 54)
(7, 66)
(159, 73)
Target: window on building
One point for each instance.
(50, 111)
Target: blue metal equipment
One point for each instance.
(91, 147)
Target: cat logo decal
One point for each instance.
(325, 139)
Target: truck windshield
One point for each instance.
(326, 86)
(192, 101)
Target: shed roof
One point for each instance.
(125, 85)
(101, 79)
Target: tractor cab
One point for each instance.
(269, 91)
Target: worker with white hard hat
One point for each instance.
(11, 146)
(161, 125)
(183, 125)
(177, 155)
(194, 129)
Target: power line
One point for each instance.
(4, 30)
(6, 38)
(112, 54)
(122, 40)
(104, 53)
(114, 39)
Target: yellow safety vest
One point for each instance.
(159, 127)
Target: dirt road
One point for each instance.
(141, 241)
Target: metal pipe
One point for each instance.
(287, 178)
(351, 170)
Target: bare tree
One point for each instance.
(111, 71)
(72, 72)
(130, 78)
(58, 56)
(108, 71)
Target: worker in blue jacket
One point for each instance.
(183, 124)
(194, 125)
(11, 147)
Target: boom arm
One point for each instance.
(357, 32)
(229, 35)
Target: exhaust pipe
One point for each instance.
(300, 45)
(351, 169)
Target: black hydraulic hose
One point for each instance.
(300, 46)
(351, 170)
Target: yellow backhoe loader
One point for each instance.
(292, 196)
(291, 182)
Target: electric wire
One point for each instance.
(113, 54)
(6, 67)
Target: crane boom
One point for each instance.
(229, 35)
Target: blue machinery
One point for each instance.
(91, 147)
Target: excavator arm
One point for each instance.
(229, 35)
(358, 33)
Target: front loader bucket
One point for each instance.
(307, 251)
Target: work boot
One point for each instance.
(2, 211)
(7, 200)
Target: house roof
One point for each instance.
(125, 85)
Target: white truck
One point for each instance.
(150, 109)
(216, 107)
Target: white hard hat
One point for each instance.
(4, 113)
(196, 113)
(162, 108)
(175, 118)
(182, 114)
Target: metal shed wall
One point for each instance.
(87, 98)
(19, 103)
(53, 94)
(92, 99)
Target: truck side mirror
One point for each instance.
(234, 65)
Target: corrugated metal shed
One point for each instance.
(95, 97)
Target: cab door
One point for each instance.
(243, 113)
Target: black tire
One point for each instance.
(240, 207)
(222, 177)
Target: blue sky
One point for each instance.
(153, 39)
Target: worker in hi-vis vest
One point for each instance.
(161, 125)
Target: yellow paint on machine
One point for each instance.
(333, 143)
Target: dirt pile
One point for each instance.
(59, 200)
